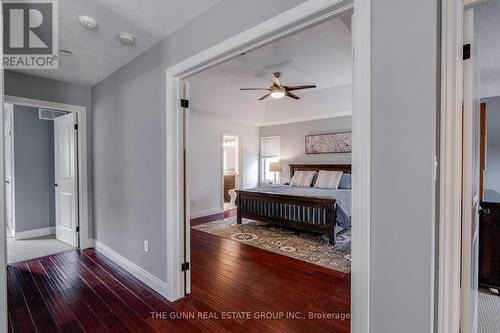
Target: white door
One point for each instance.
(9, 168)
(471, 193)
(187, 197)
(66, 186)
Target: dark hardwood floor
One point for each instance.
(83, 291)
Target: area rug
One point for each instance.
(305, 246)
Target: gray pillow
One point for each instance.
(345, 182)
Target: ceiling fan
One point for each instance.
(277, 90)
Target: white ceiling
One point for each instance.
(98, 53)
(487, 28)
(319, 55)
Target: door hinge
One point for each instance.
(76, 126)
(185, 266)
(466, 51)
(78, 229)
(184, 103)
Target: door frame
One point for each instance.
(12, 163)
(450, 168)
(295, 19)
(83, 187)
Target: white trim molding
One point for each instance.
(448, 293)
(206, 212)
(83, 187)
(361, 168)
(298, 18)
(450, 170)
(35, 233)
(147, 278)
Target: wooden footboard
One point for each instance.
(298, 212)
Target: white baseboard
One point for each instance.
(206, 212)
(147, 278)
(34, 233)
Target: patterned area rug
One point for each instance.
(309, 247)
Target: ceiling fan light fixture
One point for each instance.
(278, 94)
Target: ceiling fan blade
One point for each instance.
(289, 94)
(264, 97)
(290, 88)
(254, 89)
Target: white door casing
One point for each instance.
(187, 195)
(470, 209)
(9, 167)
(66, 181)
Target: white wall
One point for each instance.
(292, 141)
(492, 177)
(205, 153)
(404, 113)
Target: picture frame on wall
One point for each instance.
(340, 142)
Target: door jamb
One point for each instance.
(12, 163)
(310, 12)
(450, 169)
(83, 212)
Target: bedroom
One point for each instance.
(239, 142)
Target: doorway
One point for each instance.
(469, 261)
(198, 136)
(230, 170)
(46, 184)
(41, 181)
(271, 30)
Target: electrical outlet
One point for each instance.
(146, 246)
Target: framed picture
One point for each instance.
(329, 143)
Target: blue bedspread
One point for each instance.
(342, 197)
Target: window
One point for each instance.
(269, 152)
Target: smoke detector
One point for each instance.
(126, 38)
(87, 22)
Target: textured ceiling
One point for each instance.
(487, 35)
(98, 53)
(319, 55)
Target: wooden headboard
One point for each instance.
(316, 167)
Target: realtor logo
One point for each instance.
(30, 34)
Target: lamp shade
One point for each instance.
(275, 167)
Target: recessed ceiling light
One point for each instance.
(65, 52)
(87, 22)
(126, 38)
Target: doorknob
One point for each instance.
(484, 211)
(55, 185)
(7, 182)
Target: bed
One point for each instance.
(308, 209)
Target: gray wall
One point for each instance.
(404, 60)
(33, 170)
(27, 86)
(292, 142)
(492, 177)
(129, 131)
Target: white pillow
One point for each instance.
(328, 179)
(302, 178)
